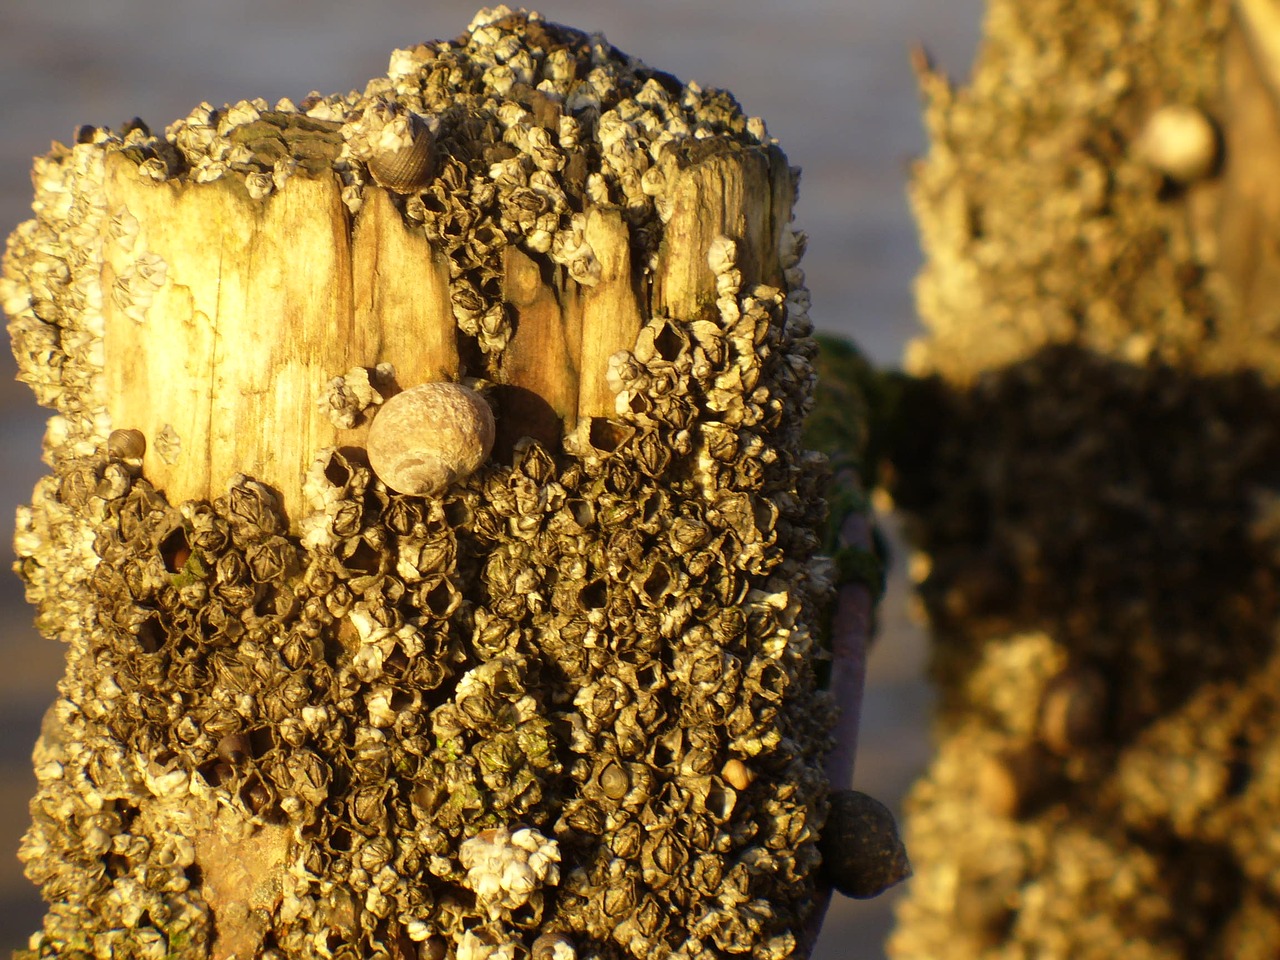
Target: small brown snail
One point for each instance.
(1018, 781)
(430, 436)
(737, 774)
(553, 946)
(1073, 710)
(126, 444)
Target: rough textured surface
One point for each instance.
(1092, 484)
(503, 720)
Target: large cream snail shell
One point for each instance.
(429, 437)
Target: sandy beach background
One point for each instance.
(830, 77)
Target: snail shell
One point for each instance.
(737, 774)
(1073, 710)
(430, 436)
(1018, 781)
(553, 946)
(403, 155)
(126, 444)
(862, 854)
(1179, 141)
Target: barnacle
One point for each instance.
(558, 701)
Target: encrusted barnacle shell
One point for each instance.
(430, 436)
(505, 869)
(400, 148)
(348, 398)
(168, 444)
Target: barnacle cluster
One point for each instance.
(566, 707)
(1094, 503)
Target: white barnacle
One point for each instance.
(408, 61)
(155, 168)
(488, 15)
(569, 248)
(506, 869)
(241, 113)
(207, 170)
(136, 286)
(597, 189)
(722, 254)
(348, 398)
(282, 170)
(792, 247)
(729, 282)
(168, 444)
(381, 712)
(500, 78)
(353, 197)
(259, 184)
(474, 946)
(569, 132)
(430, 436)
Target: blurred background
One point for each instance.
(830, 77)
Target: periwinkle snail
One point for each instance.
(430, 436)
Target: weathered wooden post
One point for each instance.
(536, 677)
(1096, 509)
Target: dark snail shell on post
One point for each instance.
(1073, 710)
(862, 854)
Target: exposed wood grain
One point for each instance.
(741, 192)
(611, 313)
(400, 286)
(1249, 191)
(263, 302)
(251, 321)
(540, 365)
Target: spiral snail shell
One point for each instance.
(126, 444)
(430, 436)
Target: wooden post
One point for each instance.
(1095, 502)
(566, 706)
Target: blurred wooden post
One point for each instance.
(1095, 501)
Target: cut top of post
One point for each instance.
(512, 207)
